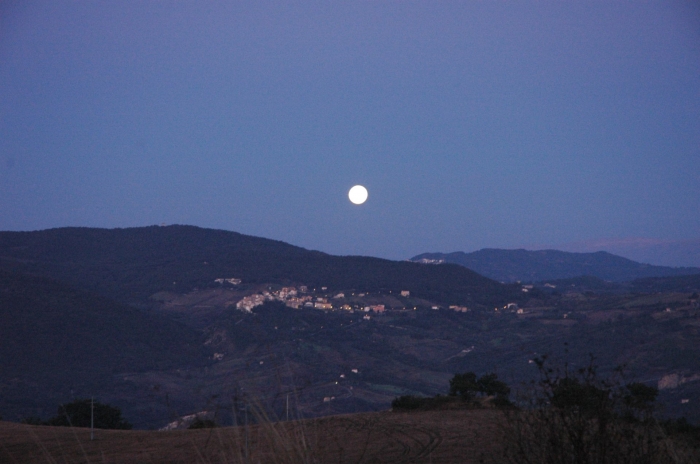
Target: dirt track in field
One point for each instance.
(428, 437)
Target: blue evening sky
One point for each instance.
(472, 124)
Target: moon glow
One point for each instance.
(358, 194)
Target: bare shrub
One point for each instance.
(577, 417)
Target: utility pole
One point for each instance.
(287, 407)
(92, 418)
(247, 456)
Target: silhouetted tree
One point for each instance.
(490, 385)
(464, 385)
(78, 414)
(467, 386)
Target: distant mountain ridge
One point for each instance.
(674, 253)
(533, 266)
(130, 265)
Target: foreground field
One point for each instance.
(430, 437)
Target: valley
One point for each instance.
(313, 354)
(171, 322)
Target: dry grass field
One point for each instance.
(467, 436)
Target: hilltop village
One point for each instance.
(303, 297)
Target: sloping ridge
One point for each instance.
(531, 266)
(48, 329)
(132, 264)
(58, 342)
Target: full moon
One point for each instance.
(358, 194)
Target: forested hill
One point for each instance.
(49, 329)
(57, 341)
(533, 266)
(132, 264)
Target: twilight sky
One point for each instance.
(472, 124)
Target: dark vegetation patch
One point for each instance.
(58, 341)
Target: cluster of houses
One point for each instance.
(291, 297)
(288, 295)
(429, 261)
(298, 298)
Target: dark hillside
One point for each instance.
(680, 284)
(132, 264)
(55, 339)
(583, 284)
(533, 266)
